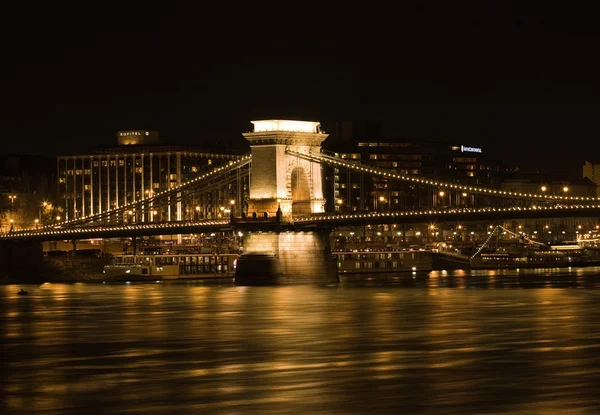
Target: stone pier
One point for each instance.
(286, 258)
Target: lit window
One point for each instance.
(138, 169)
(104, 163)
(121, 162)
(209, 162)
(78, 172)
(95, 163)
(87, 171)
(194, 169)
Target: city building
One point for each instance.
(364, 142)
(139, 166)
(538, 183)
(592, 172)
(26, 182)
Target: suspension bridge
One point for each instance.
(286, 196)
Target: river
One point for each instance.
(480, 342)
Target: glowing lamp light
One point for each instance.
(285, 125)
(544, 188)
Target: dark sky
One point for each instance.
(519, 79)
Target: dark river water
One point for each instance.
(440, 343)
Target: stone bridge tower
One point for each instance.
(278, 179)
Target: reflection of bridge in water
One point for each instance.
(284, 168)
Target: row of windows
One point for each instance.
(395, 156)
(384, 144)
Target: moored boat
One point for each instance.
(552, 256)
(383, 261)
(145, 267)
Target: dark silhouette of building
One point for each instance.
(364, 142)
(26, 182)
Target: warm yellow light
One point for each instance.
(442, 194)
(232, 202)
(285, 125)
(130, 212)
(278, 200)
(464, 195)
(58, 218)
(197, 208)
(381, 198)
(565, 189)
(12, 221)
(37, 220)
(45, 204)
(340, 201)
(432, 227)
(222, 208)
(543, 188)
(459, 226)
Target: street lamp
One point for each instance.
(544, 188)
(12, 223)
(565, 189)
(37, 223)
(197, 212)
(12, 201)
(43, 205)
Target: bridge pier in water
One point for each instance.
(286, 258)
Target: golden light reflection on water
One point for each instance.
(437, 344)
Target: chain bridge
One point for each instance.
(284, 172)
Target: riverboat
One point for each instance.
(152, 267)
(552, 256)
(383, 261)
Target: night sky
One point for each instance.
(519, 79)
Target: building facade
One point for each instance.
(591, 171)
(27, 188)
(453, 163)
(137, 168)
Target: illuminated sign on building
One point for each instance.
(137, 137)
(133, 133)
(286, 125)
(466, 149)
